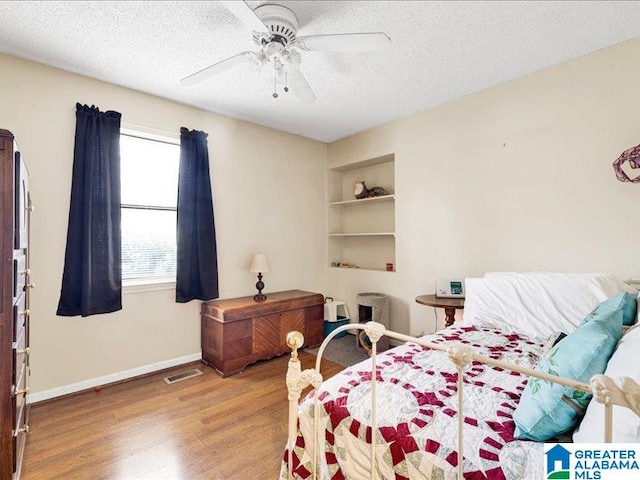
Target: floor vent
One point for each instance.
(182, 376)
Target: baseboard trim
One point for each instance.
(114, 377)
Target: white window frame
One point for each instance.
(148, 284)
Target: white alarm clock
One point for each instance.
(450, 288)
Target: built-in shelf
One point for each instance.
(383, 198)
(365, 269)
(368, 234)
(362, 230)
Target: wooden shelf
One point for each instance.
(362, 231)
(369, 269)
(370, 234)
(383, 198)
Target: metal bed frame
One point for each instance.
(623, 391)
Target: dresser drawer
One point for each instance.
(19, 416)
(19, 353)
(19, 395)
(20, 316)
(19, 412)
(19, 275)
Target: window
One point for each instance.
(149, 180)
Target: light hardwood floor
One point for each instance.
(206, 427)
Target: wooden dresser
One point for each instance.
(240, 331)
(15, 207)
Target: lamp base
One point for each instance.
(259, 297)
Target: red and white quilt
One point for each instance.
(418, 415)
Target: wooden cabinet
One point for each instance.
(240, 331)
(362, 232)
(15, 205)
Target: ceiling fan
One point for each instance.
(275, 30)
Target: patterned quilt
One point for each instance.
(418, 415)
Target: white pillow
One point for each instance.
(537, 303)
(626, 424)
(607, 281)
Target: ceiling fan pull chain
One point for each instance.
(275, 80)
(286, 88)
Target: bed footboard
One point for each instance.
(623, 391)
(297, 380)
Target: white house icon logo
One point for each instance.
(558, 461)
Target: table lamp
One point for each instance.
(259, 265)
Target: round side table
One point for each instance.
(450, 306)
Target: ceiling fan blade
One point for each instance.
(299, 86)
(345, 42)
(245, 14)
(244, 57)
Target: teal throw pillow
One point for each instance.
(547, 409)
(624, 301)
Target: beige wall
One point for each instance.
(517, 177)
(268, 188)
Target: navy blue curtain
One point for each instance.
(197, 262)
(92, 278)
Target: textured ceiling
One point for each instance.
(440, 51)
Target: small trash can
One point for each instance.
(335, 315)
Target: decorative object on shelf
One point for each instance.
(633, 157)
(344, 265)
(389, 267)
(259, 265)
(360, 191)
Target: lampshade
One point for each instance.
(259, 264)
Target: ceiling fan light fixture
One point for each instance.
(291, 58)
(275, 32)
(257, 61)
(272, 50)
